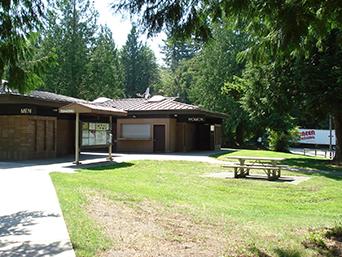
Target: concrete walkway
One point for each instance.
(31, 221)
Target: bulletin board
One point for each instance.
(95, 133)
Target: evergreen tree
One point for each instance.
(178, 54)
(139, 65)
(71, 34)
(211, 71)
(104, 71)
(18, 20)
(176, 50)
(281, 31)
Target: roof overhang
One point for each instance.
(181, 111)
(91, 109)
(21, 99)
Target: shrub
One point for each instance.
(281, 140)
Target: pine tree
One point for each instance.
(19, 21)
(176, 50)
(104, 71)
(71, 35)
(139, 64)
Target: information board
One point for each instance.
(95, 133)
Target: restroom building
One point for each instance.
(163, 124)
(41, 125)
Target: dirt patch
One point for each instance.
(148, 229)
(325, 241)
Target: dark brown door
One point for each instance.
(159, 138)
(203, 137)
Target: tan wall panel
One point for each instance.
(190, 137)
(180, 136)
(139, 146)
(173, 135)
(146, 146)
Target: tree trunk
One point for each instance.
(338, 132)
(240, 133)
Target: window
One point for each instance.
(136, 131)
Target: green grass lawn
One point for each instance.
(295, 160)
(262, 216)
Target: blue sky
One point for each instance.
(121, 26)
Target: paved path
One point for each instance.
(31, 221)
(325, 153)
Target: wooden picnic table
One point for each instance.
(270, 165)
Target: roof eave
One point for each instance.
(180, 111)
(91, 109)
(31, 100)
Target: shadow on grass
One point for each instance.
(325, 166)
(223, 152)
(325, 241)
(287, 253)
(279, 253)
(109, 166)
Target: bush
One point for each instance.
(281, 140)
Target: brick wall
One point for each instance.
(27, 137)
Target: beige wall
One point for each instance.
(173, 134)
(179, 136)
(180, 131)
(190, 137)
(146, 146)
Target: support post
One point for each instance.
(330, 138)
(110, 147)
(77, 139)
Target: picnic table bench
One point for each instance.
(268, 164)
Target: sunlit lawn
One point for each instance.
(295, 160)
(265, 216)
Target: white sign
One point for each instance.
(66, 111)
(136, 131)
(26, 111)
(316, 136)
(195, 119)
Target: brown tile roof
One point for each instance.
(41, 95)
(168, 104)
(141, 104)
